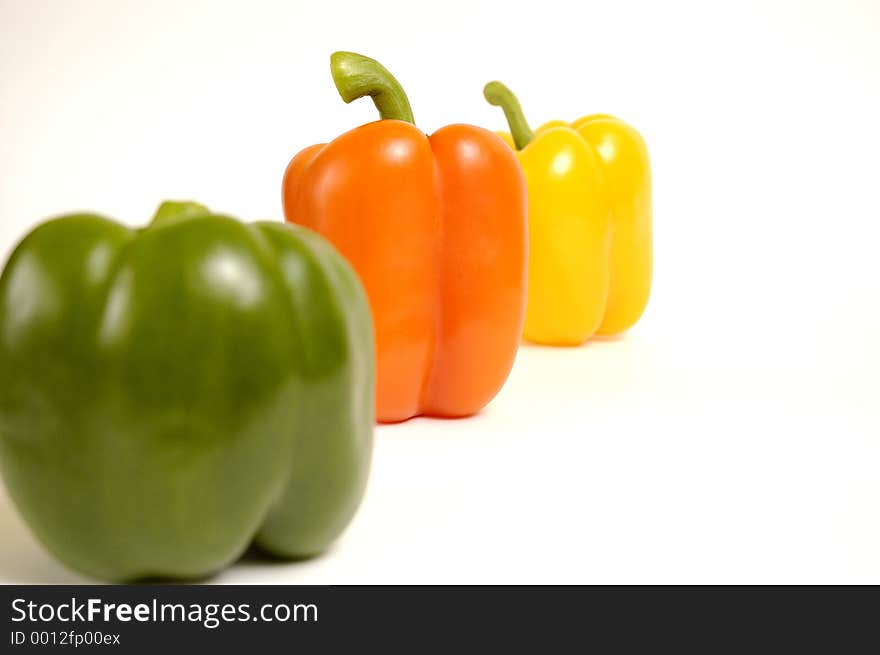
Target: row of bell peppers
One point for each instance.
(172, 394)
(451, 235)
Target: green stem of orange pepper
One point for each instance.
(356, 76)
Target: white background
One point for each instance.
(733, 436)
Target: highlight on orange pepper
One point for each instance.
(590, 240)
(436, 228)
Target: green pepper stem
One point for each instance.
(178, 209)
(356, 76)
(500, 96)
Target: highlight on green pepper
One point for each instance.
(171, 394)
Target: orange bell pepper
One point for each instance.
(436, 228)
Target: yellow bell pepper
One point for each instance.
(590, 242)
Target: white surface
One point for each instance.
(732, 436)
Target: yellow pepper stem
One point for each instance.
(500, 96)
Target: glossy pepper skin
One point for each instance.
(170, 394)
(590, 234)
(436, 228)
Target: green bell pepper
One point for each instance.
(172, 393)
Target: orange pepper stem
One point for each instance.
(500, 96)
(356, 76)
